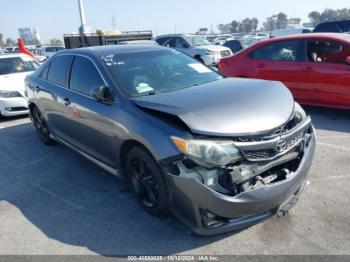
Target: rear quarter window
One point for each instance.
(45, 71)
(58, 71)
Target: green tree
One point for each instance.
(329, 15)
(281, 20)
(246, 25)
(315, 18)
(270, 24)
(255, 23)
(1, 40)
(234, 26)
(225, 28)
(9, 42)
(55, 41)
(343, 13)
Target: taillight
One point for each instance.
(222, 64)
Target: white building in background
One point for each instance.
(29, 34)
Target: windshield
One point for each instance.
(152, 72)
(11, 65)
(197, 40)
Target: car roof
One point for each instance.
(7, 55)
(171, 35)
(335, 22)
(335, 36)
(44, 46)
(112, 49)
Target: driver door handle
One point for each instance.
(307, 69)
(66, 101)
(260, 65)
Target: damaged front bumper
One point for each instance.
(208, 212)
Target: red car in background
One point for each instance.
(315, 67)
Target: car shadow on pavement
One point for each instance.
(71, 200)
(329, 119)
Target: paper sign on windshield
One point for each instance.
(200, 68)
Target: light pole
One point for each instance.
(83, 27)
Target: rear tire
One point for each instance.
(147, 182)
(41, 127)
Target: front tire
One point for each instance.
(147, 181)
(41, 127)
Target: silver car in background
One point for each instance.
(195, 46)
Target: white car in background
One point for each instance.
(48, 51)
(13, 70)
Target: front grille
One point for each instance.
(290, 125)
(277, 150)
(268, 149)
(259, 154)
(225, 53)
(15, 109)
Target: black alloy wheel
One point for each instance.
(41, 127)
(147, 182)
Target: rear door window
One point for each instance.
(84, 76)
(177, 42)
(326, 51)
(59, 70)
(278, 51)
(162, 40)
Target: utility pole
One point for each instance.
(113, 22)
(83, 28)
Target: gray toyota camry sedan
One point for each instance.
(222, 154)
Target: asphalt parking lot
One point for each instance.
(53, 201)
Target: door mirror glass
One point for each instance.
(102, 94)
(347, 60)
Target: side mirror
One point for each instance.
(102, 94)
(347, 60)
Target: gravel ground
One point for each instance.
(53, 201)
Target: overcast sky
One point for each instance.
(54, 18)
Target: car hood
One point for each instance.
(227, 107)
(218, 48)
(13, 82)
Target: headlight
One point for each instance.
(9, 94)
(208, 152)
(299, 112)
(211, 52)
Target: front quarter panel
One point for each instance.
(147, 129)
